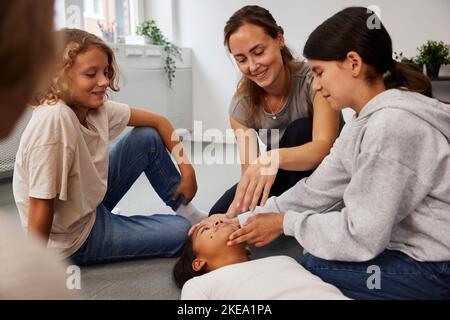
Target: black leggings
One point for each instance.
(297, 133)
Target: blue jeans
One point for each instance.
(114, 237)
(401, 277)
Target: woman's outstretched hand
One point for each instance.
(233, 211)
(257, 180)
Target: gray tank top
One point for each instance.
(299, 104)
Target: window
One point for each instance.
(111, 20)
(93, 9)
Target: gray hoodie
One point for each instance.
(384, 185)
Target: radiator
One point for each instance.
(143, 84)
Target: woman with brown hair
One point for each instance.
(276, 101)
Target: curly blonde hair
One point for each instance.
(74, 42)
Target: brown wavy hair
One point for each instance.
(27, 42)
(74, 42)
(261, 17)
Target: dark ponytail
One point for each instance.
(406, 75)
(349, 30)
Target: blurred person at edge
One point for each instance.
(27, 270)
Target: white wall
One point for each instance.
(200, 26)
(161, 12)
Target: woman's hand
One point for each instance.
(259, 230)
(257, 179)
(188, 184)
(233, 211)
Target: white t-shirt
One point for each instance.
(272, 278)
(59, 158)
(27, 270)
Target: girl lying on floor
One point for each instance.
(209, 269)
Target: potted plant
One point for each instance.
(150, 30)
(399, 57)
(433, 54)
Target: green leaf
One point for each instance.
(434, 53)
(149, 29)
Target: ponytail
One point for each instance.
(410, 77)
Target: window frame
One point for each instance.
(138, 13)
(89, 10)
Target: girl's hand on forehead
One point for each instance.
(193, 228)
(211, 220)
(207, 221)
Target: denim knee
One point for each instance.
(182, 225)
(147, 135)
